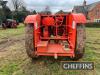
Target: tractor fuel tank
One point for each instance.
(48, 21)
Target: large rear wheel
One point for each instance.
(80, 41)
(29, 40)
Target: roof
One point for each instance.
(84, 9)
(80, 9)
(91, 6)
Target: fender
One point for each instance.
(31, 19)
(78, 18)
(73, 20)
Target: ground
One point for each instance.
(14, 60)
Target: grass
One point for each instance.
(12, 32)
(14, 60)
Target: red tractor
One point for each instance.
(9, 23)
(55, 35)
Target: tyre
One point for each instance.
(4, 26)
(29, 40)
(80, 42)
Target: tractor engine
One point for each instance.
(54, 30)
(54, 26)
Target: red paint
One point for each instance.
(48, 21)
(42, 42)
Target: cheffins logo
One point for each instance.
(78, 65)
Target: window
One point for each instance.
(97, 20)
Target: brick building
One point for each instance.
(91, 11)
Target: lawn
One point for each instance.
(12, 32)
(14, 60)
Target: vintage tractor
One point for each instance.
(5, 16)
(9, 23)
(60, 35)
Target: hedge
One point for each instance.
(93, 25)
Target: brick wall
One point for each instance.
(94, 13)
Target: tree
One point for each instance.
(5, 9)
(61, 12)
(20, 11)
(47, 10)
(1, 16)
(17, 4)
(34, 12)
(1, 12)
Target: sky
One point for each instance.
(55, 5)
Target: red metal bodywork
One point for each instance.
(46, 49)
